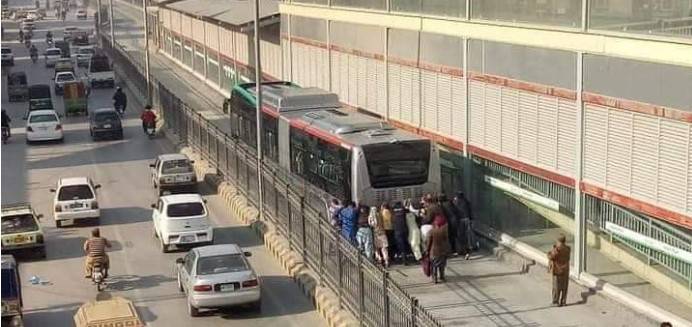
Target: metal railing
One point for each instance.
(297, 209)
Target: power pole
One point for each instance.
(146, 49)
(110, 19)
(258, 107)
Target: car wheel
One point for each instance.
(96, 221)
(121, 135)
(28, 142)
(164, 246)
(58, 224)
(194, 312)
(257, 306)
(41, 253)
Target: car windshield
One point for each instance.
(10, 285)
(54, 52)
(65, 77)
(185, 209)
(18, 224)
(220, 264)
(75, 192)
(6, 51)
(106, 117)
(176, 167)
(42, 118)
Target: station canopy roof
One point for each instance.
(234, 12)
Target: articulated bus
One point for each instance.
(349, 155)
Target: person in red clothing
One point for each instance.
(148, 117)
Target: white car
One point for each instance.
(83, 56)
(218, 276)
(43, 125)
(67, 32)
(33, 15)
(51, 56)
(75, 199)
(182, 220)
(81, 14)
(7, 57)
(61, 78)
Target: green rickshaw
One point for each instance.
(75, 98)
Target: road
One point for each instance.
(139, 271)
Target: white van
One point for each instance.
(75, 199)
(182, 220)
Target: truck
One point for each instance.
(101, 72)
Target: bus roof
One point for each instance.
(286, 96)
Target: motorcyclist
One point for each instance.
(49, 37)
(95, 249)
(33, 52)
(21, 35)
(120, 99)
(148, 117)
(6, 122)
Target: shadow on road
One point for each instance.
(244, 236)
(50, 315)
(124, 215)
(131, 282)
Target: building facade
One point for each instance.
(555, 116)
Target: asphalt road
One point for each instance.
(139, 270)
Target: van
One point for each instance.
(75, 199)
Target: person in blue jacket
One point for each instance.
(348, 216)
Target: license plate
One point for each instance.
(187, 239)
(76, 205)
(181, 179)
(67, 222)
(43, 128)
(20, 239)
(107, 126)
(227, 287)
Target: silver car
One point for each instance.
(218, 276)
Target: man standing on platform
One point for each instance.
(559, 267)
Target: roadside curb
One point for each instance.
(324, 300)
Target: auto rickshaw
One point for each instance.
(116, 311)
(17, 87)
(40, 97)
(11, 293)
(75, 98)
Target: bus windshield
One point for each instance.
(397, 164)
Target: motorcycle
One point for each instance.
(120, 109)
(49, 42)
(5, 134)
(151, 130)
(98, 275)
(27, 43)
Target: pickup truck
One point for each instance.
(100, 71)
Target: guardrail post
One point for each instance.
(414, 311)
(302, 221)
(341, 268)
(289, 214)
(385, 296)
(321, 251)
(361, 289)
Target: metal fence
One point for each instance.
(297, 209)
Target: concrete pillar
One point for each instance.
(579, 218)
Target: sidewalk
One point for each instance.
(484, 291)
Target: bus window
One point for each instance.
(397, 164)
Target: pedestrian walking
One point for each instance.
(348, 216)
(414, 234)
(386, 215)
(465, 238)
(334, 209)
(450, 212)
(438, 248)
(400, 232)
(559, 267)
(364, 234)
(380, 237)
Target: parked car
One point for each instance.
(105, 122)
(218, 276)
(173, 172)
(21, 230)
(75, 199)
(84, 55)
(12, 302)
(61, 78)
(182, 220)
(51, 56)
(81, 14)
(7, 57)
(43, 125)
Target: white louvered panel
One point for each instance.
(165, 18)
(619, 143)
(336, 73)
(186, 24)
(362, 66)
(407, 113)
(689, 171)
(566, 136)
(371, 85)
(476, 113)
(395, 91)
(510, 122)
(458, 108)
(595, 138)
(211, 35)
(275, 64)
(674, 140)
(445, 110)
(415, 96)
(285, 60)
(226, 46)
(309, 64)
(528, 126)
(175, 21)
(644, 156)
(343, 67)
(429, 96)
(547, 131)
(316, 64)
(242, 54)
(493, 117)
(296, 64)
(324, 54)
(198, 30)
(352, 80)
(381, 88)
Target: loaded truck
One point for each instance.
(101, 72)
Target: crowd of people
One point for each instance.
(427, 232)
